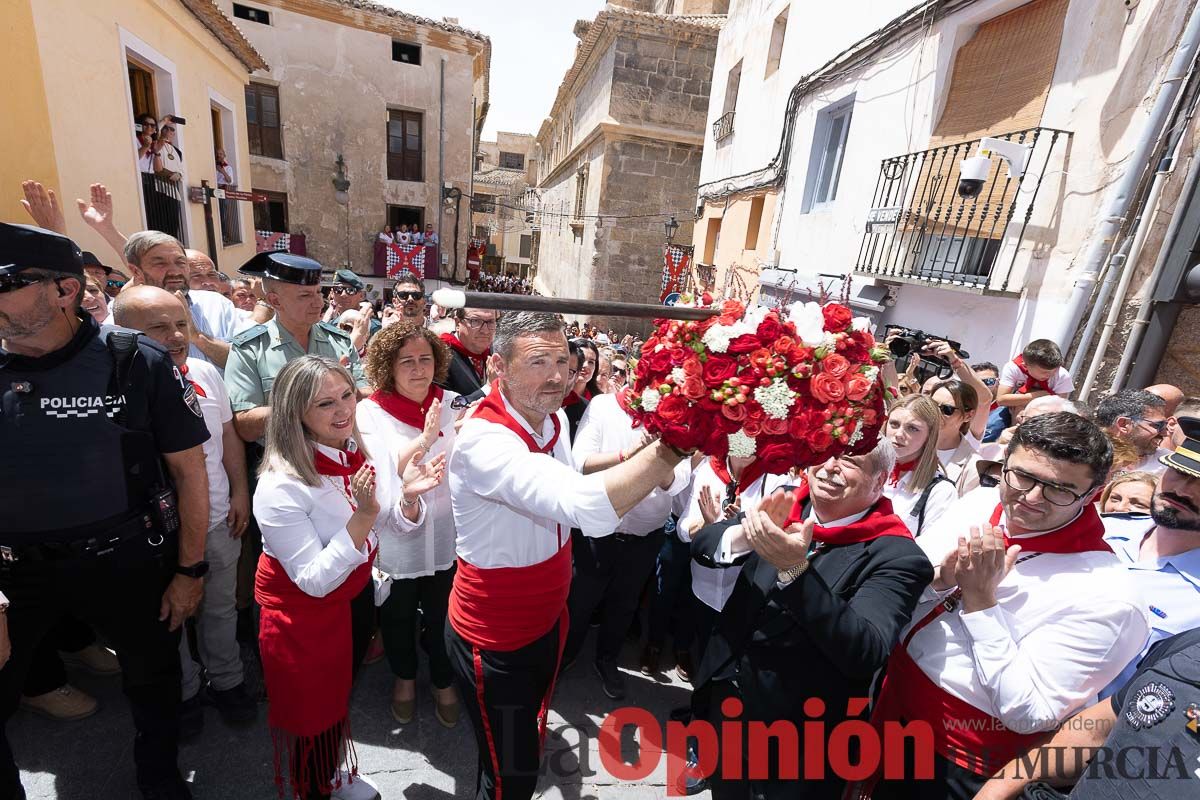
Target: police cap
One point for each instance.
(1186, 457)
(347, 278)
(284, 267)
(29, 247)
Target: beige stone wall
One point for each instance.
(337, 83)
(663, 81)
(721, 239)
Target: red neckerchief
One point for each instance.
(183, 370)
(492, 409)
(571, 399)
(879, 521)
(327, 466)
(1082, 535)
(750, 473)
(410, 413)
(1031, 384)
(478, 360)
(623, 402)
(900, 470)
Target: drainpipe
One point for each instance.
(441, 192)
(1120, 195)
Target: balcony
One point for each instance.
(919, 230)
(164, 206)
(723, 127)
(231, 222)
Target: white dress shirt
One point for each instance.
(513, 507)
(409, 549)
(904, 499)
(713, 585)
(1151, 462)
(213, 315)
(1062, 628)
(605, 428)
(1169, 585)
(217, 411)
(304, 528)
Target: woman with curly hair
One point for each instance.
(417, 548)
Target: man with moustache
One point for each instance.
(1029, 616)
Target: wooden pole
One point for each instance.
(453, 298)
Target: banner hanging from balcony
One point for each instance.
(475, 250)
(410, 257)
(272, 241)
(677, 260)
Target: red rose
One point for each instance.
(778, 456)
(692, 366)
(734, 411)
(718, 369)
(746, 343)
(752, 428)
(693, 388)
(824, 387)
(672, 408)
(769, 329)
(754, 412)
(819, 439)
(835, 365)
(784, 346)
(731, 312)
(775, 427)
(858, 387)
(716, 443)
(658, 362)
(837, 317)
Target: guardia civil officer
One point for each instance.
(103, 491)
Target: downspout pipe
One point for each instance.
(1120, 196)
(441, 190)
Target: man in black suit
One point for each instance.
(829, 578)
(470, 347)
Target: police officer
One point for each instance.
(91, 522)
(292, 284)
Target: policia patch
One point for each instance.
(189, 393)
(1150, 705)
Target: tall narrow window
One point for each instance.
(828, 151)
(731, 89)
(581, 178)
(273, 214)
(775, 52)
(754, 223)
(262, 120)
(405, 158)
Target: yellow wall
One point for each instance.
(85, 84)
(737, 266)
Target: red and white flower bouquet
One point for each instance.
(789, 387)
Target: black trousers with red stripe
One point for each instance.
(503, 693)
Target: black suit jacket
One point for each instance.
(824, 635)
(462, 378)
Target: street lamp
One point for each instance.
(671, 226)
(341, 193)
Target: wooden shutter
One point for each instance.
(405, 137)
(263, 120)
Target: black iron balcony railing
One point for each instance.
(164, 205)
(723, 127)
(920, 230)
(231, 222)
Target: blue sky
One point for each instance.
(532, 46)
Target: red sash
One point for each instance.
(1031, 384)
(410, 413)
(477, 360)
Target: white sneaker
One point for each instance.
(359, 789)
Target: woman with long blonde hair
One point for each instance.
(918, 487)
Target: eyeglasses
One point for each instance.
(478, 324)
(408, 295)
(1055, 495)
(947, 409)
(344, 290)
(168, 129)
(346, 326)
(14, 282)
(620, 372)
(989, 382)
(1158, 427)
(460, 402)
(115, 284)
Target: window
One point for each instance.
(406, 53)
(273, 214)
(581, 178)
(253, 14)
(412, 216)
(262, 120)
(405, 158)
(526, 245)
(731, 89)
(754, 223)
(778, 31)
(966, 259)
(484, 204)
(512, 160)
(710, 241)
(828, 150)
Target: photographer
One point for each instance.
(146, 135)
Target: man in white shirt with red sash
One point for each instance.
(1029, 616)
(516, 495)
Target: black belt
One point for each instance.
(635, 537)
(140, 526)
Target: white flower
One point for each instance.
(860, 324)
(809, 322)
(678, 375)
(717, 338)
(650, 398)
(775, 399)
(871, 374)
(741, 445)
(856, 435)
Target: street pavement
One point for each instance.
(92, 759)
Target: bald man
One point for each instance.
(202, 272)
(162, 316)
(1173, 396)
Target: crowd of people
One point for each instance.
(316, 483)
(501, 284)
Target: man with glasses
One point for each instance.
(1139, 418)
(100, 533)
(1029, 616)
(408, 296)
(470, 347)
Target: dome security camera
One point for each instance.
(972, 174)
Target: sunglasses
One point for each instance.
(948, 410)
(14, 282)
(989, 382)
(168, 129)
(345, 290)
(408, 295)
(346, 326)
(1158, 426)
(115, 284)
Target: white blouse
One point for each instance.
(904, 498)
(409, 549)
(304, 528)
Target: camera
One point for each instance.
(911, 343)
(972, 174)
(177, 120)
(137, 126)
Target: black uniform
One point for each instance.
(86, 526)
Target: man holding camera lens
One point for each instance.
(116, 536)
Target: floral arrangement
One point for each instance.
(789, 388)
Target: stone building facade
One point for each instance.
(620, 152)
(362, 80)
(503, 174)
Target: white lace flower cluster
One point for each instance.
(809, 322)
(741, 445)
(650, 398)
(718, 337)
(775, 399)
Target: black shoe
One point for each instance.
(245, 625)
(169, 789)
(684, 667)
(236, 706)
(191, 718)
(650, 660)
(610, 679)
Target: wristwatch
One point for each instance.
(197, 570)
(791, 573)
